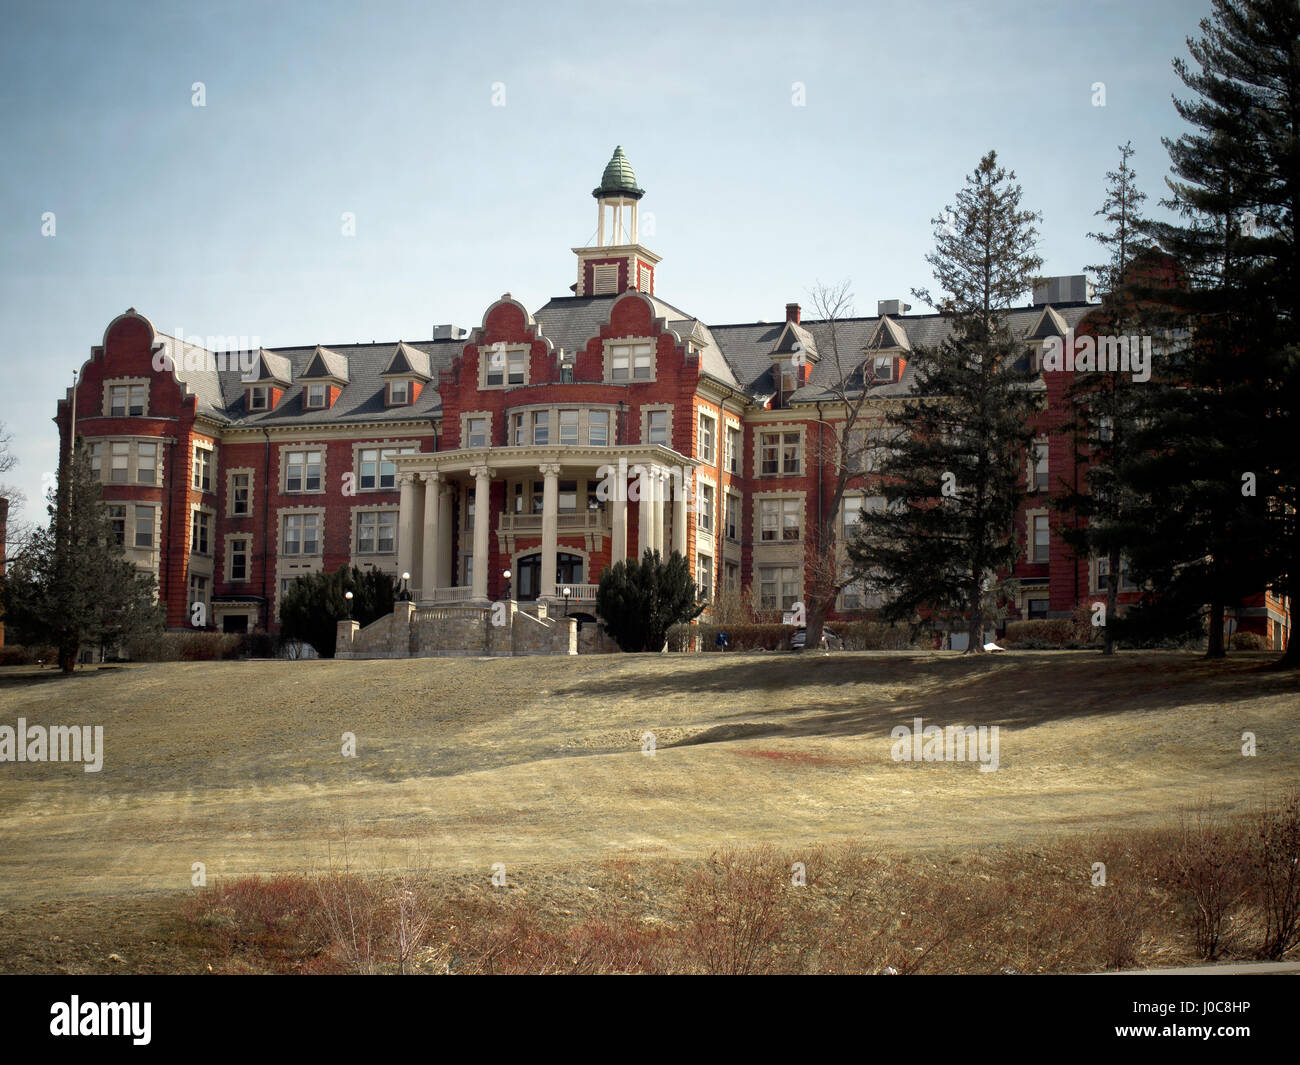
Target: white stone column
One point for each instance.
(618, 535)
(685, 495)
(433, 534)
(482, 528)
(406, 519)
(442, 571)
(645, 511)
(660, 491)
(550, 526)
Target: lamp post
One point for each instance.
(506, 574)
(566, 593)
(348, 597)
(405, 595)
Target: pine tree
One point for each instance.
(72, 586)
(954, 477)
(314, 604)
(638, 602)
(1104, 512)
(1225, 425)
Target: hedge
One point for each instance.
(1248, 641)
(756, 636)
(1051, 633)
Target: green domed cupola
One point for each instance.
(618, 179)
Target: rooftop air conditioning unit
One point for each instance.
(891, 307)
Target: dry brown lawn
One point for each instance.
(537, 763)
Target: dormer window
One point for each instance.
(502, 367)
(259, 397)
(317, 397)
(789, 377)
(883, 367)
(127, 400)
(630, 361)
(399, 393)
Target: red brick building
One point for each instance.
(577, 425)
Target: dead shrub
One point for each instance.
(730, 912)
(1276, 864)
(1207, 864)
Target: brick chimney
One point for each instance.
(792, 313)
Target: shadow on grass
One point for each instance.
(1013, 691)
(29, 676)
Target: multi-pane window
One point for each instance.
(200, 532)
(779, 519)
(598, 428)
(1042, 540)
(778, 453)
(567, 497)
(144, 521)
(733, 449)
(705, 442)
(399, 393)
(377, 467)
(259, 397)
(704, 576)
(518, 429)
(126, 401)
(541, 428)
(202, 468)
(376, 532)
(302, 472)
(146, 463)
(1040, 466)
(316, 396)
(505, 368)
(853, 596)
(302, 534)
(656, 424)
(852, 507)
(1103, 575)
(1105, 429)
(239, 560)
(1036, 608)
(778, 587)
(117, 520)
(97, 461)
(883, 367)
(240, 488)
(630, 362)
(731, 575)
(476, 432)
(198, 592)
(704, 504)
(731, 516)
(121, 452)
(569, 427)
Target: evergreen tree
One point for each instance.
(72, 586)
(638, 602)
(1222, 441)
(314, 604)
(1105, 513)
(954, 478)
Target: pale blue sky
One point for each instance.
(225, 219)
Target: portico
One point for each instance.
(551, 494)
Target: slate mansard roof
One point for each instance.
(737, 357)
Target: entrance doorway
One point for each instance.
(568, 570)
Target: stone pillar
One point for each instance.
(645, 512)
(406, 520)
(550, 522)
(618, 535)
(442, 578)
(433, 534)
(659, 493)
(482, 528)
(680, 505)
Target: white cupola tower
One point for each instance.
(617, 261)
